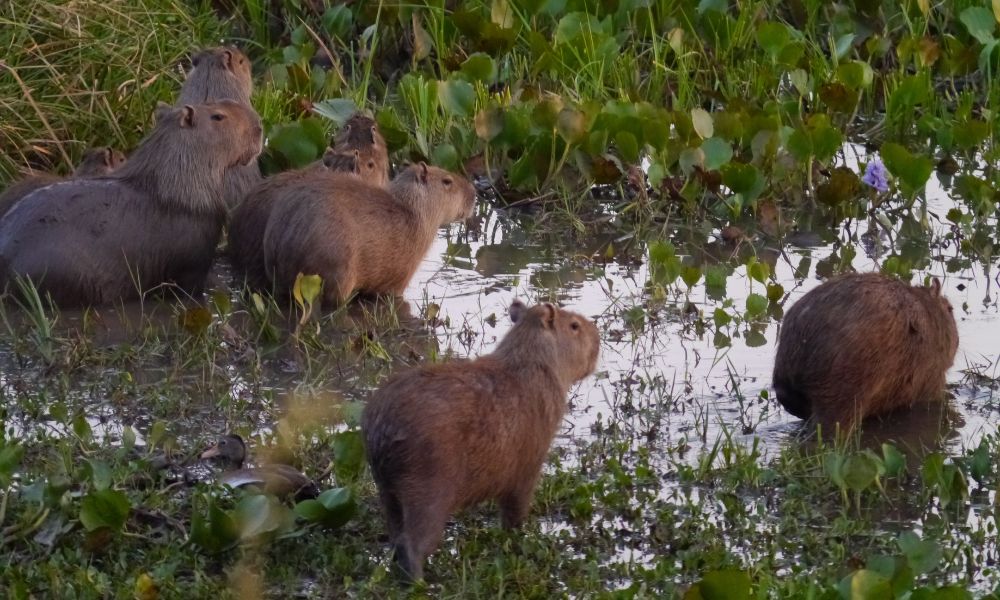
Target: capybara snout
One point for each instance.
(861, 345)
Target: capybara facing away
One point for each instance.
(156, 220)
(95, 162)
(358, 237)
(443, 437)
(223, 74)
(863, 344)
(358, 150)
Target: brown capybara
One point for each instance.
(223, 74)
(95, 162)
(358, 139)
(863, 344)
(359, 237)
(154, 221)
(443, 437)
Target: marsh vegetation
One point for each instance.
(681, 172)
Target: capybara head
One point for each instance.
(361, 134)
(342, 162)
(941, 313)
(564, 339)
(99, 161)
(182, 161)
(218, 74)
(452, 195)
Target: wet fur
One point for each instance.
(155, 220)
(355, 152)
(223, 74)
(863, 344)
(440, 438)
(95, 162)
(359, 237)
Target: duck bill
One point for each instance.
(211, 452)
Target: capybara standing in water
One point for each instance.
(359, 237)
(358, 149)
(95, 162)
(223, 74)
(156, 220)
(863, 344)
(443, 437)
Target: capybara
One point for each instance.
(359, 237)
(443, 437)
(95, 162)
(358, 149)
(223, 74)
(156, 220)
(863, 344)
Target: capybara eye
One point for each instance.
(446, 181)
(218, 117)
(574, 326)
(222, 442)
(371, 164)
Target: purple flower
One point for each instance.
(876, 176)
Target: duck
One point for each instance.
(281, 480)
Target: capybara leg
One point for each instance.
(393, 514)
(423, 526)
(514, 507)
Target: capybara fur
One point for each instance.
(443, 437)
(223, 74)
(156, 220)
(863, 344)
(95, 162)
(358, 150)
(358, 237)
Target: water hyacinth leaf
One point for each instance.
(457, 97)
(842, 186)
(726, 584)
(691, 158)
(691, 275)
(348, 455)
(479, 67)
(980, 23)
(859, 472)
(627, 146)
(393, 130)
(772, 37)
(104, 508)
(338, 21)
(196, 320)
(571, 125)
(981, 462)
(775, 291)
(912, 171)
(833, 464)
(11, 454)
(545, 114)
(721, 318)
(306, 289)
(970, 134)
(715, 278)
(333, 508)
(865, 583)
(258, 514)
(446, 157)
(756, 305)
(338, 110)
(664, 263)
(923, 555)
(716, 152)
(702, 122)
(742, 179)
(855, 74)
(912, 90)
(758, 271)
(893, 460)
(215, 531)
(100, 474)
(489, 123)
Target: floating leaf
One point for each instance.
(923, 555)
(702, 122)
(333, 508)
(756, 305)
(348, 455)
(772, 37)
(104, 508)
(859, 471)
(457, 97)
(479, 67)
(716, 152)
(489, 123)
(980, 23)
(338, 21)
(338, 110)
(842, 186)
(893, 460)
(571, 125)
(912, 171)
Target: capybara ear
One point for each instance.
(108, 156)
(935, 286)
(196, 59)
(422, 175)
(187, 116)
(549, 318)
(227, 59)
(517, 311)
(374, 132)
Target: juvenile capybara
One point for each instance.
(358, 150)
(443, 437)
(359, 237)
(223, 74)
(95, 162)
(156, 220)
(863, 344)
